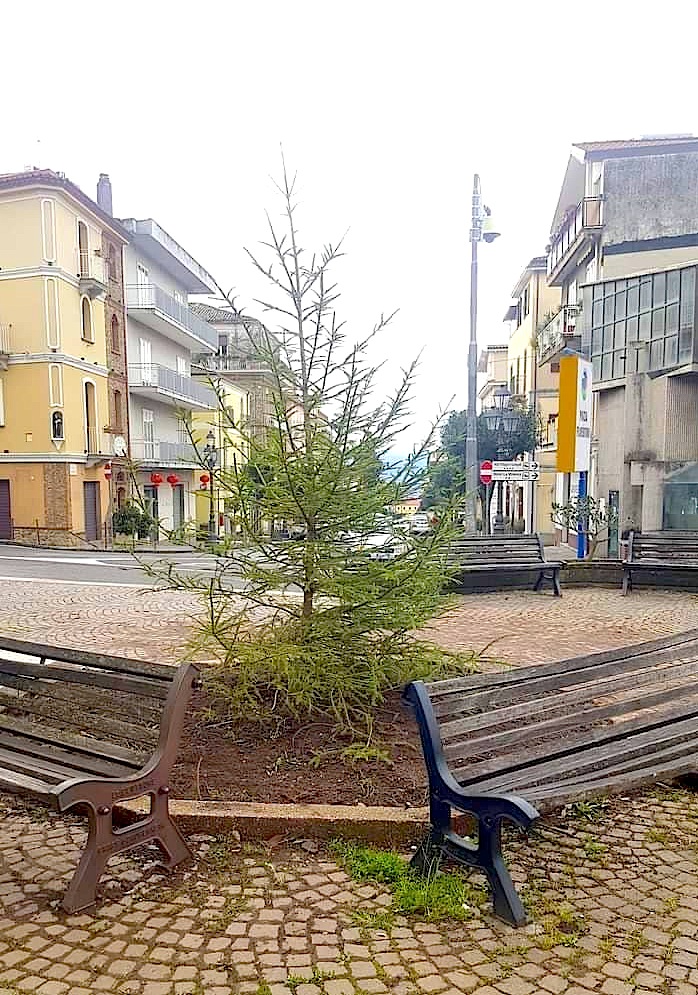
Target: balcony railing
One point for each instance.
(92, 273)
(173, 384)
(587, 215)
(233, 364)
(150, 297)
(93, 440)
(163, 453)
(556, 334)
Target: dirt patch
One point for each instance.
(301, 763)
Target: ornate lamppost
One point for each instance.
(210, 459)
(502, 420)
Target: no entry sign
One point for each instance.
(486, 471)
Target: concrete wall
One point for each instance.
(650, 197)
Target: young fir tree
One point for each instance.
(330, 621)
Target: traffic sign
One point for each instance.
(510, 475)
(509, 465)
(486, 471)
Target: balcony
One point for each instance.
(5, 348)
(92, 274)
(579, 224)
(154, 307)
(559, 333)
(165, 454)
(162, 384)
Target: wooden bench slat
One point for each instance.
(47, 770)
(86, 745)
(128, 707)
(67, 654)
(89, 765)
(83, 722)
(149, 687)
(464, 757)
(625, 658)
(571, 693)
(583, 756)
(13, 781)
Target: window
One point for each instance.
(518, 375)
(182, 366)
(112, 267)
(2, 405)
(115, 334)
(117, 410)
(57, 426)
(86, 319)
(148, 435)
(646, 323)
(526, 301)
(83, 250)
(525, 359)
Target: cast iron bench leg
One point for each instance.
(427, 859)
(539, 582)
(505, 902)
(557, 590)
(627, 581)
(82, 890)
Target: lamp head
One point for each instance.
(489, 232)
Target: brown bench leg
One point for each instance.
(104, 842)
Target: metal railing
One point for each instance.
(587, 214)
(238, 364)
(91, 267)
(5, 344)
(93, 440)
(162, 452)
(554, 335)
(150, 297)
(170, 382)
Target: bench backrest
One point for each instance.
(125, 710)
(493, 723)
(497, 549)
(668, 547)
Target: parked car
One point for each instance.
(378, 546)
(420, 523)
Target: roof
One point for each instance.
(50, 178)
(152, 239)
(535, 265)
(632, 144)
(511, 312)
(216, 315)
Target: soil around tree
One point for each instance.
(302, 763)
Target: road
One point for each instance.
(95, 568)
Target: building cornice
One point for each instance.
(27, 272)
(58, 357)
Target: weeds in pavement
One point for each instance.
(431, 899)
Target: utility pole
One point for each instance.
(480, 231)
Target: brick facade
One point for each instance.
(115, 332)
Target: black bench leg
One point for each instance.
(627, 582)
(539, 582)
(505, 901)
(557, 590)
(427, 859)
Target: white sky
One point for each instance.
(385, 108)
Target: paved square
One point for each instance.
(614, 902)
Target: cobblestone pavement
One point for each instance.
(525, 627)
(614, 907)
(613, 899)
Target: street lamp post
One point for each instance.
(210, 458)
(481, 231)
(503, 420)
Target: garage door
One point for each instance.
(5, 512)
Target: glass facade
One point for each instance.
(640, 324)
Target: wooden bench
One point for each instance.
(511, 745)
(659, 553)
(471, 556)
(82, 729)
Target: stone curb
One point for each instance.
(256, 821)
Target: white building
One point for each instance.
(162, 335)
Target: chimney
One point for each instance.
(104, 193)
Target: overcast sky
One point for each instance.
(385, 108)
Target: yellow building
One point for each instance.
(62, 413)
(229, 423)
(408, 507)
(535, 386)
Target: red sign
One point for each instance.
(486, 471)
